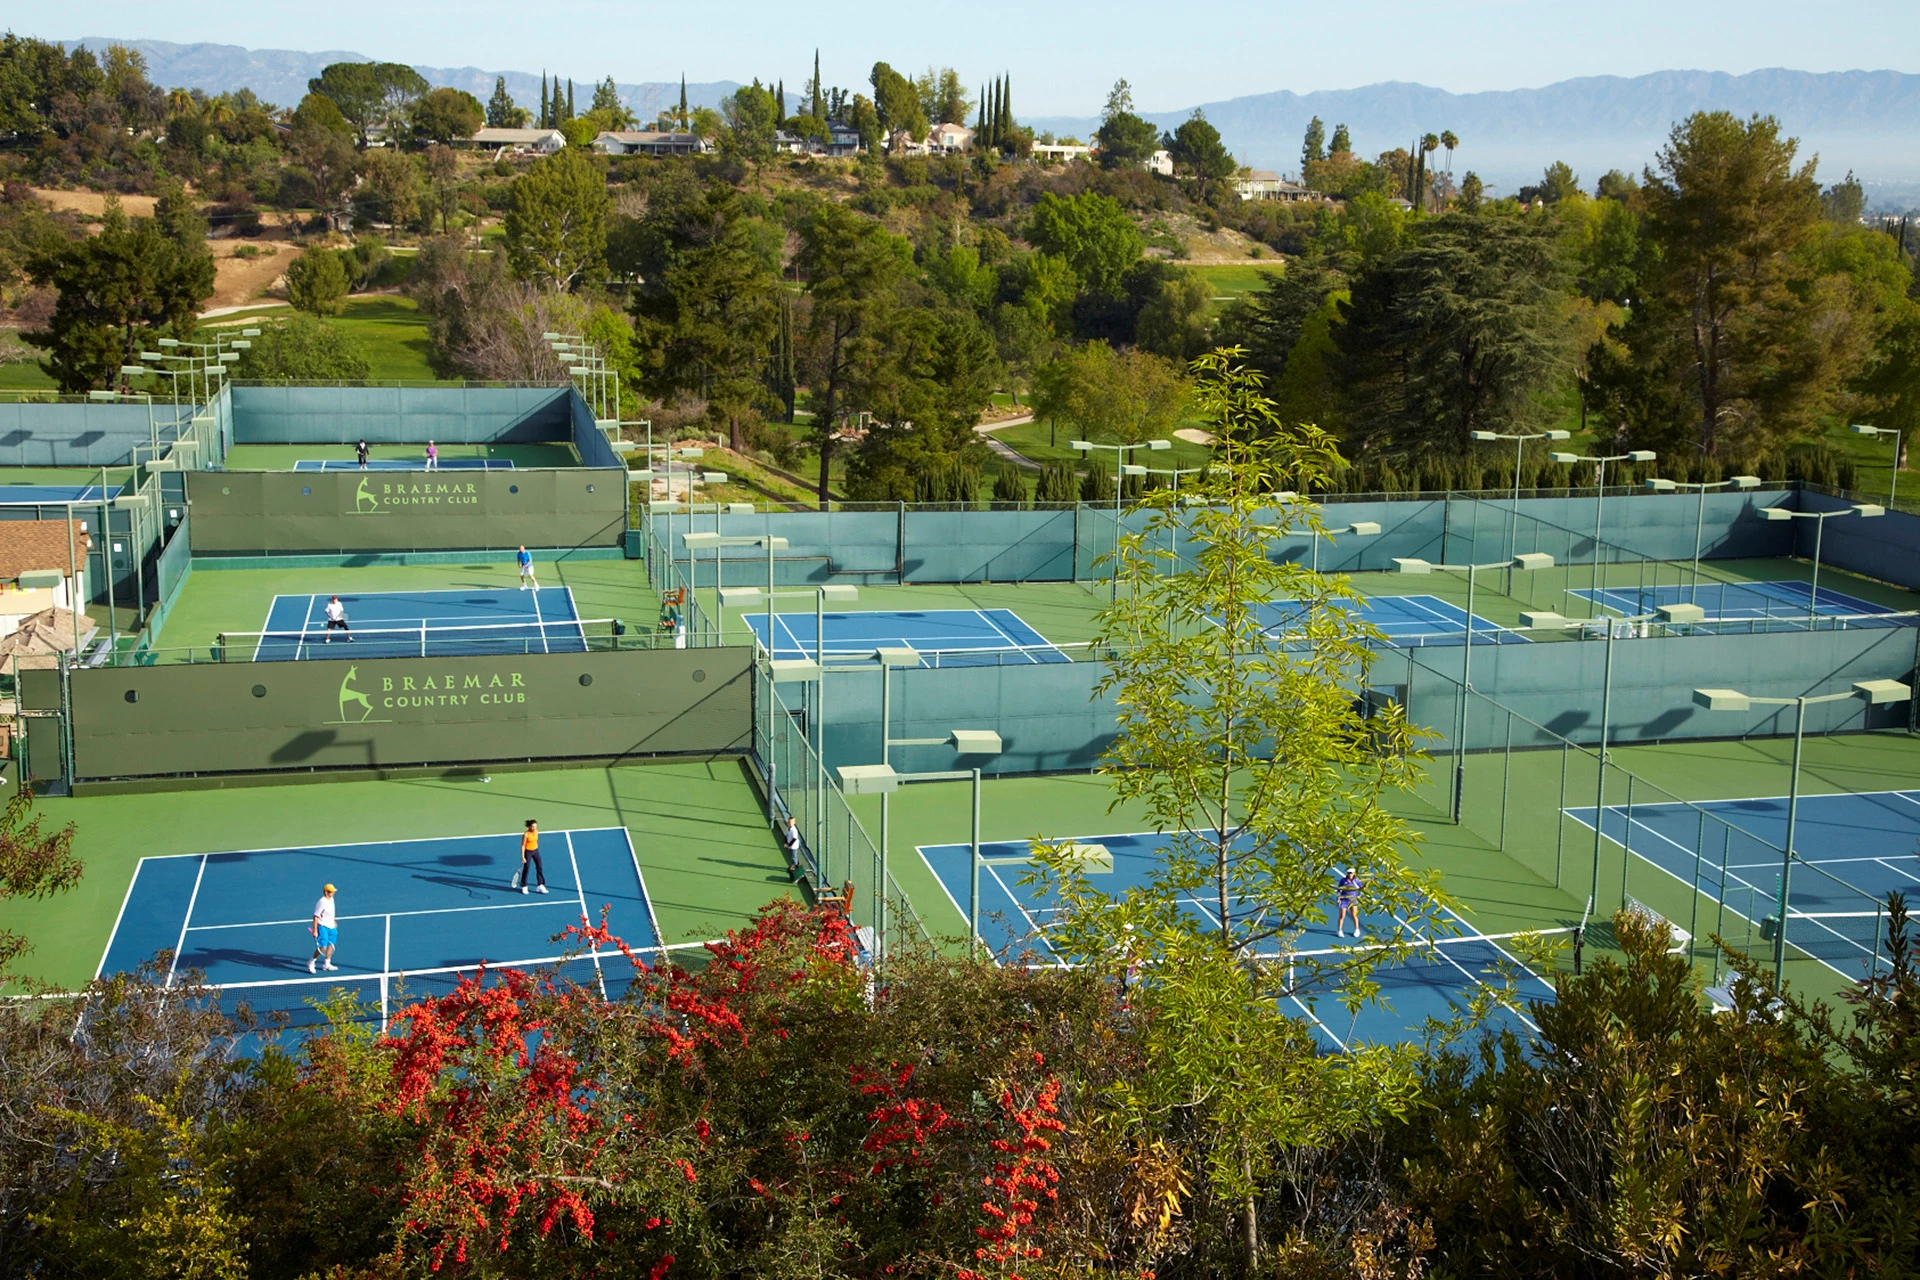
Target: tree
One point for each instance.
(707, 315)
(1341, 141)
(33, 864)
(897, 104)
(501, 111)
(1450, 140)
(1117, 398)
(1197, 152)
(115, 288)
(1420, 193)
(316, 110)
(443, 181)
(370, 95)
(1125, 139)
(1090, 232)
(1178, 320)
(391, 186)
(1845, 201)
(1249, 750)
(853, 268)
(1009, 489)
(1727, 321)
(752, 118)
(1558, 183)
(1472, 191)
(1266, 323)
(317, 283)
(325, 160)
(446, 115)
(1462, 330)
(938, 375)
(303, 349)
(1313, 148)
(943, 99)
(556, 223)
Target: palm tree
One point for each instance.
(1428, 145)
(1449, 139)
(179, 101)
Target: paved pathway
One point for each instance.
(1003, 449)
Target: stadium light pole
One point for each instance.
(1700, 518)
(1893, 485)
(882, 780)
(1865, 510)
(1875, 692)
(1600, 495)
(1519, 448)
(1121, 453)
(1528, 562)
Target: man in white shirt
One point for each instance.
(326, 932)
(792, 841)
(337, 619)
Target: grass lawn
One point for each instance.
(25, 376)
(392, 331)
(1873, 456)
(1230, 280)
(1044, 444)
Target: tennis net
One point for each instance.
(1466, 959)
(422, 640)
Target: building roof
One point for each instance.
(946, 127)
(507, 137)
(27, 545)
(1262, 175)
(636, 136)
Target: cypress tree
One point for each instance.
(683, 100)
(1006, 108)
(569, 98)
(981, 127)
(544, 122)
(819, 105)
(1009, 490)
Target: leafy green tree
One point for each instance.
(370, 95)
(1177, 322)
(752, 117)
(1462, 330)
(1009, 489)
(1058, 485)
(1125, 139)
(1266, 323)
(1472, 192)
(115, 288)
(301, 348)
(1727, 324)
(1197, 151)
(1097, 485)
(501, 111)
(391, 186)
(707, 319)
(1092, 233)
(853, 268)
(324, 162)
(1558, 183)
(317, 283)
(864, 119)
(1845, 201)
(943, 99)
(447, 115)
(1255, 760)
(1313, 148)
(939, 372)
(556, 223)
(897, 104)
(1112, 397)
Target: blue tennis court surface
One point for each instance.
(1406, 621)
(1436, 983)
(420, 624)
(404, 464)
(1743, 602)
(1843, 842)
(943, 637)
(27, 495)
(414, 916)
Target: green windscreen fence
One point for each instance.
(136, 722)
(279, 512)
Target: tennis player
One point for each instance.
(1347, 889)
(530, 854)
(433, 456)
(325, 930)
(793, 846)
(360, 454)
(526, 570)
(337, 620)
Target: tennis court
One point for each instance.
(942, 637)
(1744, 602)
(415, 624)
(414, 916)
(1420, 621)
(1851, 849)
(1437, 982)
(404, 464)
(33, 495)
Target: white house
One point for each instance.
(949, 139)
(1161, 162)
(1265, 184)
(649, 142)
(540, 142)
(1059, 151)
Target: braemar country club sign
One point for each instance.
(391, 694)
(372, 497)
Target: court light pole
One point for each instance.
(1865, 510)
(771, 542)
(1121, 453)
(1519, 447)
(1358, 529)
(1875, 693)
(1528, 562)
(1700, 518)
(882, 780)
(732, 597)
(1893, 485)
(1600, 494)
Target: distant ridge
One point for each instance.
(280, 75)
(1859, 120)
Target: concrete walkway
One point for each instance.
(985, 431)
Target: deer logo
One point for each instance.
(364, 503)
(349, 694)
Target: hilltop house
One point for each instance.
(539, 142)
(1265, 184)
(650, 142)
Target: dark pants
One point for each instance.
(337, 624)
(539, 868)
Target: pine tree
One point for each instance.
(1097, 486)
(1009, 490)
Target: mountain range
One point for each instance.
(280, 76)
(1859, 121)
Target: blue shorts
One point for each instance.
(327, 936)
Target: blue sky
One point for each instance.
(1062, 56)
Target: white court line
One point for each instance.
(186, 920)
(573, 607)
(585, 919)
(1011, 642)
(1474, 979)
(122, 915)
(959, 909)
(386, 967)
(1315, 1019)
(659, 938)
(1033, 925)
(376, 915)
(343, 977)
(539, 624)
(799, 645)
(361, 844)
